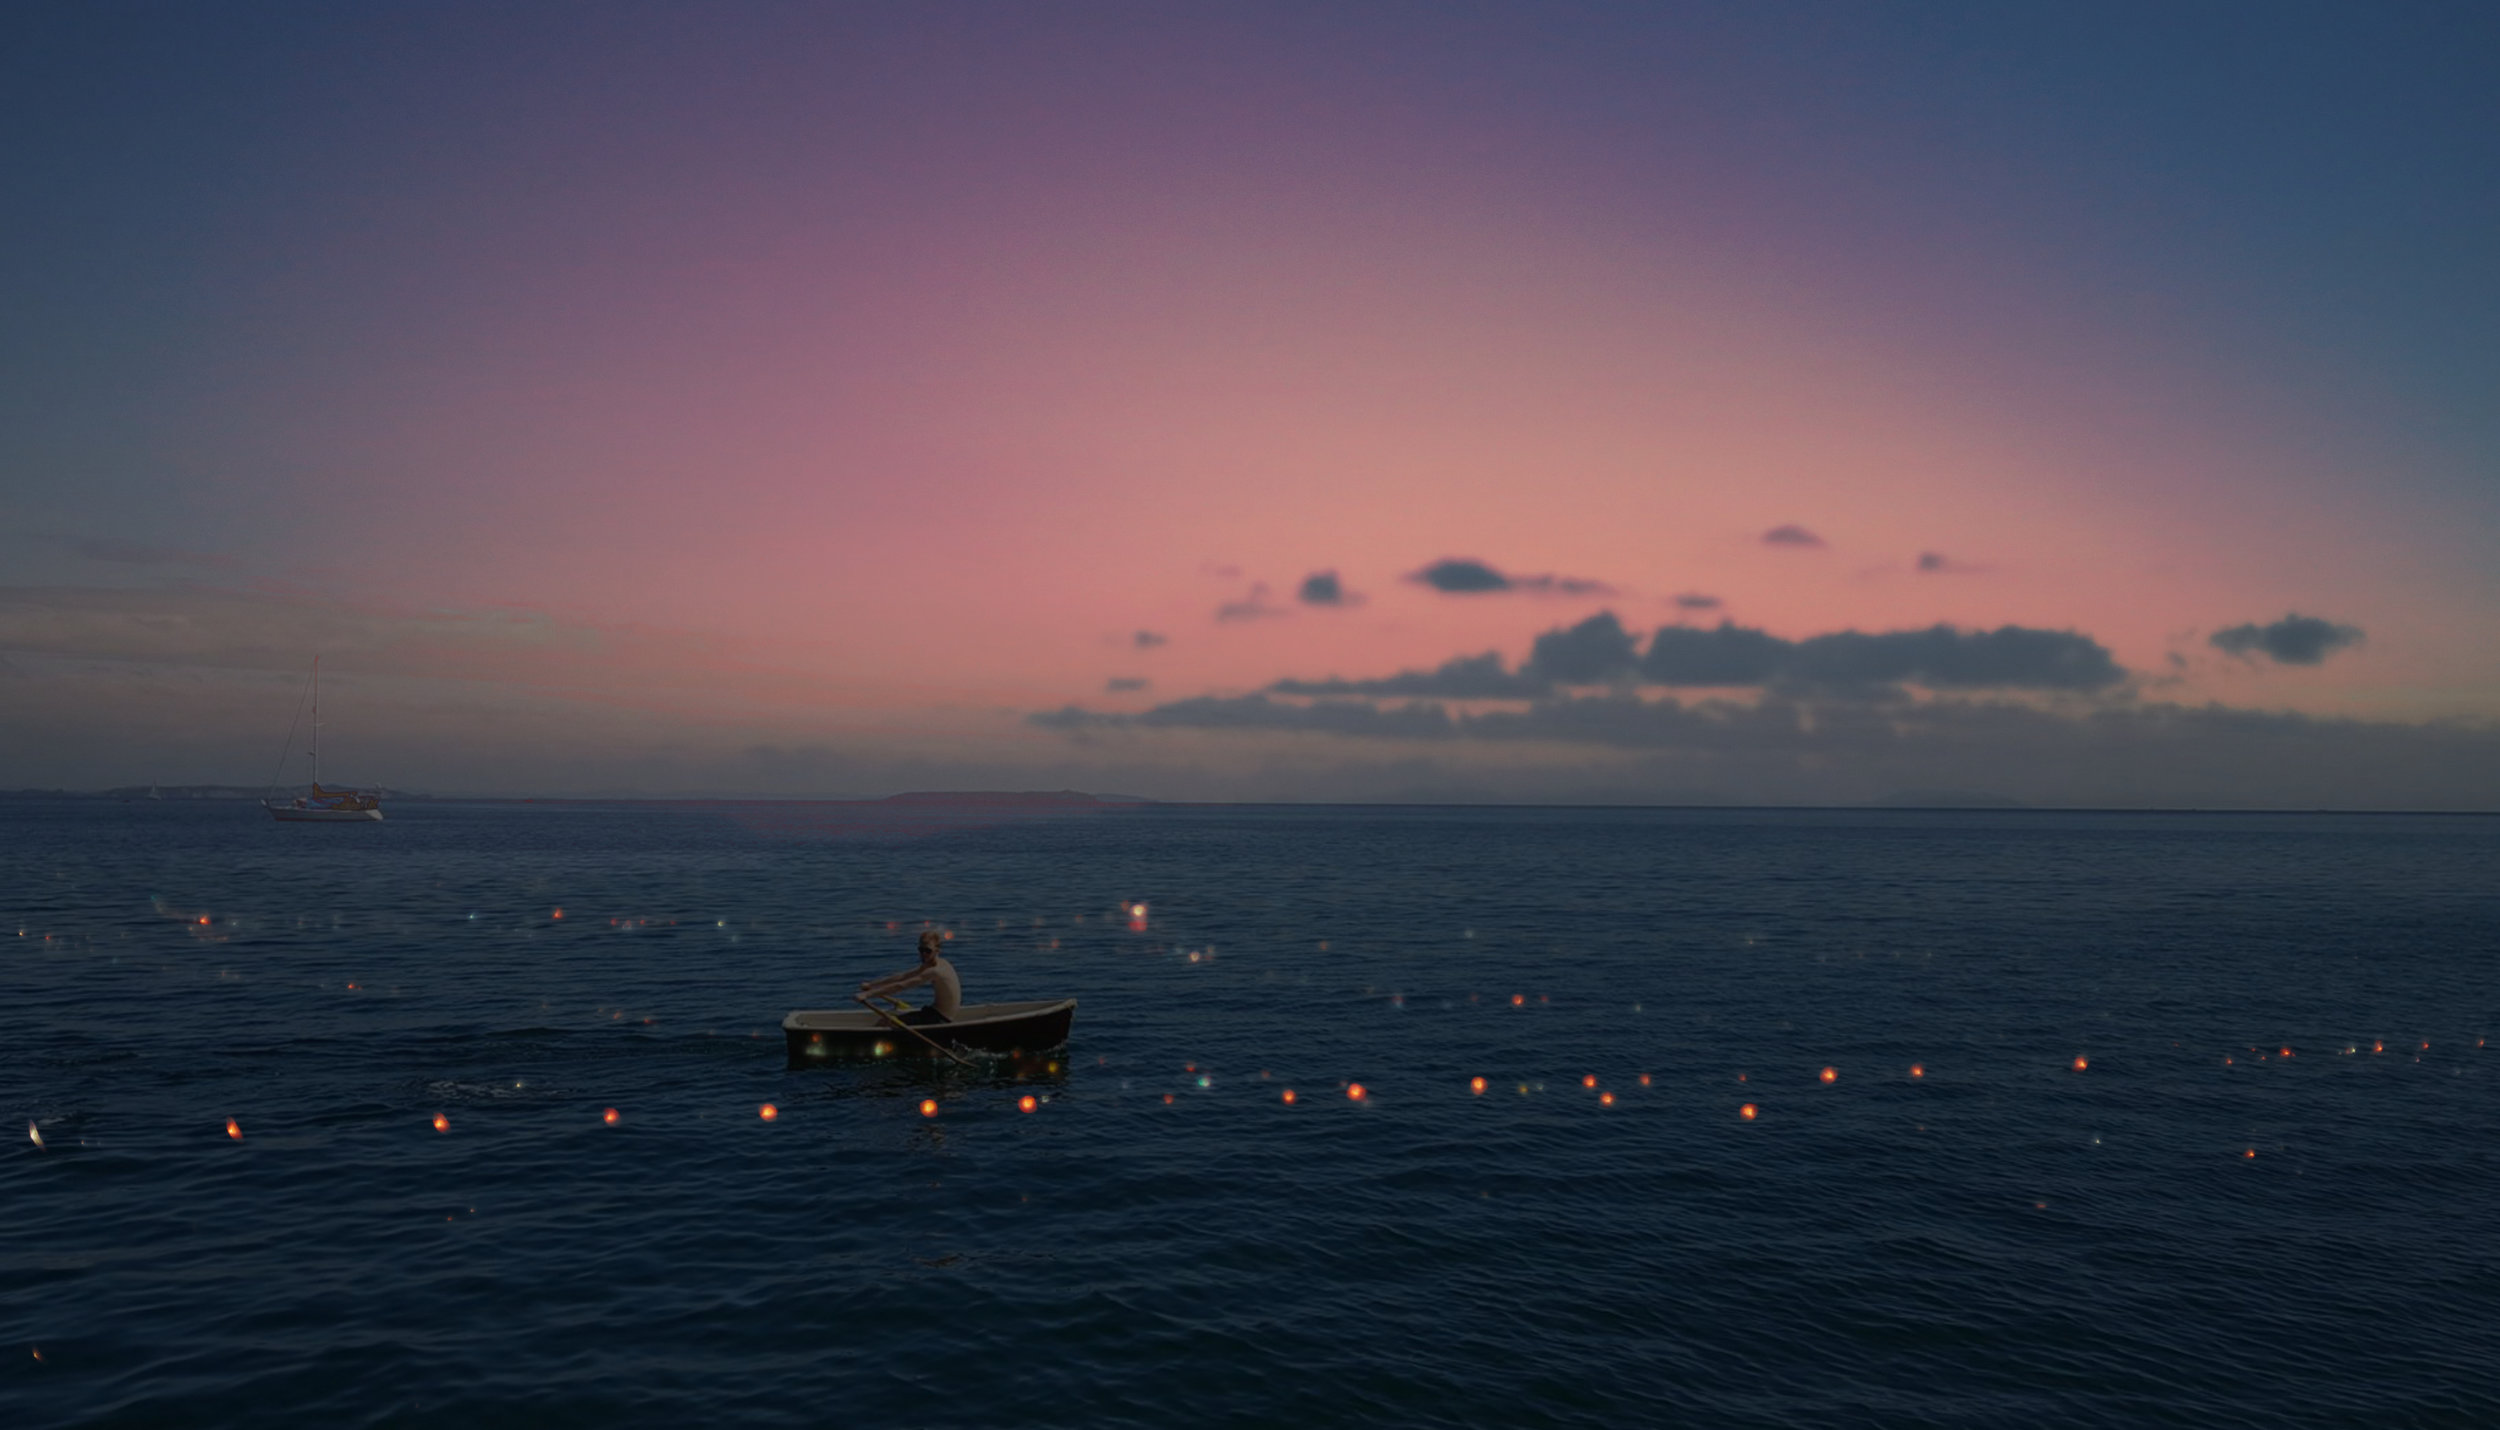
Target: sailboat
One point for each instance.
(322, 806)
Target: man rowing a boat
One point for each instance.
(947, 991)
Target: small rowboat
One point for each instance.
(827, 1035)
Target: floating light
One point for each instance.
(1167, 1099)
(1474, 1085)
(1137, 911)
(441, 1123)
(203, 918)
(1746, 1112)
(1918, 1070)
(2081, 1064)
(559, 913)
(1589, 1080)
(233, 1130)
(608, 1117)
(34, 1134)
(2287, 1052)
(2379, 1047)
(928, 1107)
(2251, 1152)
(1355, 1092)
(1026, 1103)
(1644, 1079)
(1605, 1099)
(1288, 1096)
(768, 1112)
(1828, 1075)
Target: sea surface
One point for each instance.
(2058, 1119)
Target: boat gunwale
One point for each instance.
(867, 1020)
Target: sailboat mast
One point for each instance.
(316, 730)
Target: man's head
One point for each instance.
(930, 939)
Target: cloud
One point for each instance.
(1696, 601)
(1597, 649)
(1459, 576)
(1119, 683)
(2294, 640)
(1322, 588)
(1468, 677)
(1936, 563)
(1465, 576)
(1791, 535)
(1940, 658)
(1148, 640)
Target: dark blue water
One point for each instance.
(2003, 1241)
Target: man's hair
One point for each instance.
(930, 939)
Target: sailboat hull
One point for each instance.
(291, 814)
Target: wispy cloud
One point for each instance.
(1322, 588)
(1791, 535)
(1255, 606)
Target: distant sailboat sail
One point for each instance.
(321, 806)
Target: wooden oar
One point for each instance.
(862, 1000)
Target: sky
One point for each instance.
(1781, 403)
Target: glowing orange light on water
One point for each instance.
(2378, 1047)
(1288, 1095)
(2081, 1064)
(1746, 1112)
(1167, 1099)
(1355, 1093)
(234, 1130)
(1518, 1000)
(1829, 1075)
(1589, 1081)
(1605, 1099)
(1027, 1103)
(1918, 1070)
(608, 1117)
(559, 913)
(1476, 1086)
(203, 918)
(2251, 1152)
(928, 1107)
(1137, 911)
(768, 1112)
(441, 1123)
(2287, 1052)
(2426, 1047)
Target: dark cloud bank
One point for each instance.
(2046, 717)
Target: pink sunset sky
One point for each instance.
(828, 402)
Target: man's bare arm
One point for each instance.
(896, 983)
